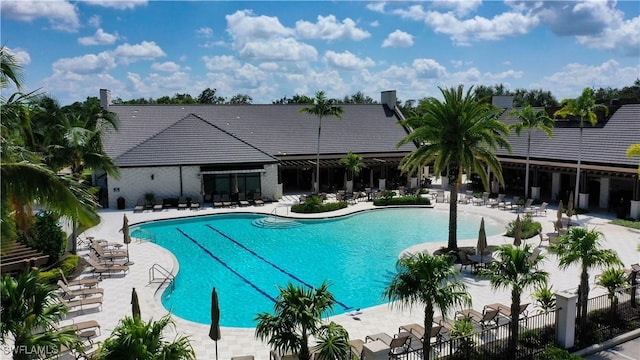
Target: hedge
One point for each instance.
(403, 200)
(67, 265)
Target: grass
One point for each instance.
(634, 224)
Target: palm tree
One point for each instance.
(30, 314)
(322, 107)
(298, 315)
(135, 339)
(634, 150)
(582, 246)
(612, 279)
(431, 281)
(583, 107)
(333, 342)
(10, 69)
(353, 163)
(530, 119)
(456, 135)
(514, 269)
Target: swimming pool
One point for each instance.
(247, 256)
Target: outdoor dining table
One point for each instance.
(480, 261)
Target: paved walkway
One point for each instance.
(382, 318)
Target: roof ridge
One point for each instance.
(235, 137)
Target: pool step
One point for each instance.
(272, 222)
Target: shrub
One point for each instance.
(553, 353)
(529, 227)
(68, 265)
(530, 338)
(627, 223)
(388, 194)
(313, 204)
(47, 236)
(404, 200)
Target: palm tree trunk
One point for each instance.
(514, 326)
(453, 208)
(428, 324)
(317, 186)
(526, 174)
(575, 199)
(584, 297)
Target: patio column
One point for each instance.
(555, 186)
(604, 193)
(566, 318)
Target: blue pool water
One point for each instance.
(246, 263)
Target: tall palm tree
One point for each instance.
(431, 281)
(585, 108)
(298, 315)
(582, 247)
(513, 269)
(530, 119)
(458, 134)
(322, 107)
(30, 314)
(135, 339)
(353, 163)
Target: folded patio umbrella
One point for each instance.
(135, 304)
(517, 232)
(570, 206)
(126, 236)
(214, 330)
(482, 240)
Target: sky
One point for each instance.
(269, 50)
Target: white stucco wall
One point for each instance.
(135, 182)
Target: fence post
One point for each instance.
(566, 318)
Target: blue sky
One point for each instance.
(272, 49)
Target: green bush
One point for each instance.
(403, 200)
(313, 204)
(68, 265)
(388, 194)
(553, 353)
(634, 224)
(47, 236)
(529, 227)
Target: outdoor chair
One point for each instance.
(496, 201)
(463, 257)
(101, 269)
(505, 310)
(257, 199)
(242, 199)
(182, 203)
(68, 293)
(226, 200)
(537, 210)
(108, 254)
(82, 326)
(72, 304)
(85, 283)
(525, 207)
(418, 331)
(140, 205)
(158, 205)
(195, 205)
(355, 347)
(483, 319)
(534, 255)
(400, 344)
(511, 205)
(217, 201)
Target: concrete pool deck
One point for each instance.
(381, 318)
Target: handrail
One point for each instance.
(143, 234)
(166, 276)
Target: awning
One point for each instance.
(232, 171)
(369, 162)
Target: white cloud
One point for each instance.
(21, 56)
(413, 12)
(220, 63)
(117, 4)
(428, 68)
(205, 32)
(480, 28)
(279, 49)
(580, 17)
(459, 7)
(244, 26)
(212, 44)
(374, 23)
(99, 38)
(347, 60)
(623, 38)
(329, 28)
(62, 15)
(95, 21)
(570, 80)
(86, 64)
(146, 50)
(167, 66)
(269, 66)
(398, 38)
(377, 6)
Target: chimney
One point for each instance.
(502, 101)
(105, 99)
(389, 98)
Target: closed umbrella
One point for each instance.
(214, 330)
(135, 304)
(559, 217)
(570, 207)
(482, 240)
(126, 236)
(517, 232)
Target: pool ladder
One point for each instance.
(165, 275)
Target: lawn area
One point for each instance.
(634, 224)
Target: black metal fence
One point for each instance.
(610, 315)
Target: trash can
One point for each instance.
(120, 203)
